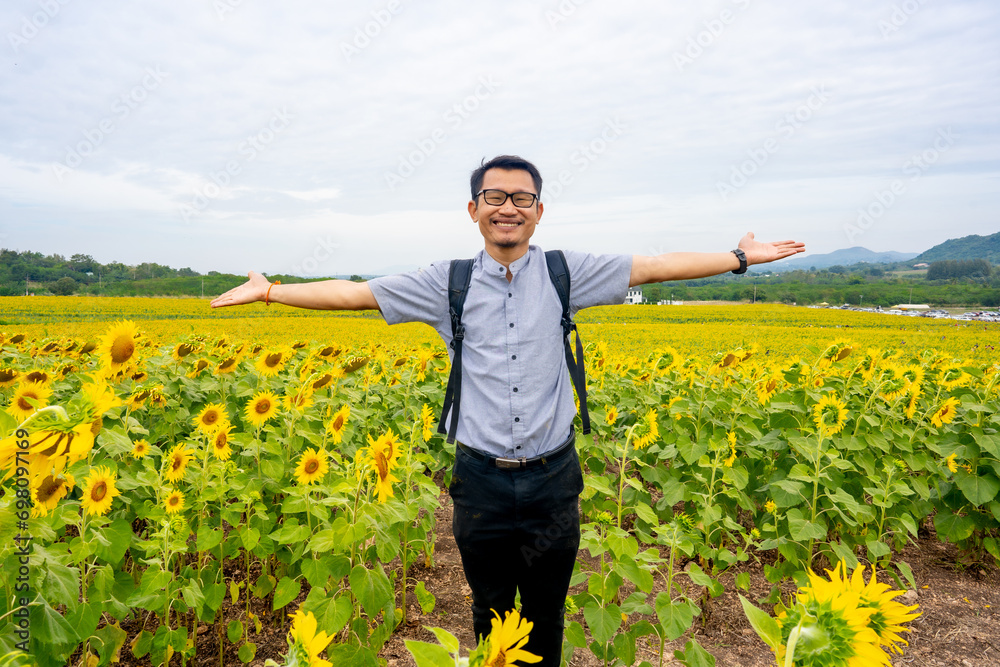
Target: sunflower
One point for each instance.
(767, 385)
(49, 492)
(830, 415)
(506, 639)
(99, 397)
(952, 376)
(946, 413)
(322, 382)
(731, 438)
(648, 431)
(8, 376)
(271, 362)
(174, 502)
(28, 397)
(299, 400)
(610, 415)
(177, 462)
(837, 351)
(328, 352)
(770, 507)
(833, 626)
(950, 462)
(212, 417)
(889, 616)
(338, 424)
(98, 491)
(227, 365)
(260, 408)
(198, 367)
(312, 466)
(139, 449)
(182, 350)
(306, 642)
(37, 375)
(380, 457)
(118, 346)
(137, 399)
(220, 444)
(426, 421)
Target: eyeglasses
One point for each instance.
(498, 197)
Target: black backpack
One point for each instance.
(459, 277)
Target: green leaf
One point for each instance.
(743, 581)
(675, 617)
(801, 529)
(876, 548)
(603, 622)
(250, 538)
(630, 570)
(691, 451)
(50, 627)
(429, 655)
(424, 597)
(234, 631)
(338, 612)
(953, 527)
(316, 572)
(845, 554)
(85, 619)
(347, 655)
(978, 489)
(118, 535)
(645, 512)
(208, 538)
(575, 635)
(763, 624)
(287, 590)
(371, 588)
(908, 573)
(247, 652)
(112, 639)
(694, 655)
(446, 639)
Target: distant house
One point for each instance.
(634, 296)
(921, 265)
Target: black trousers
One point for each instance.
(519, 530)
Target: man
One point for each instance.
(516, 524)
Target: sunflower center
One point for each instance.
(221, 442)
(262, 407)
(227, 364)
(272, 360)
(122, 349)
(7, 374)
(48, 488)
(210, 418)
(338, 423)
(37, 376)
(177, 463)
(184, 350)
(24, 404)
(173, 501)
(312, 465)
(99, 491)
(382, 464)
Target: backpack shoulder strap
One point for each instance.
(459, 278)
(559, 275)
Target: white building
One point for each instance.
(634, 296)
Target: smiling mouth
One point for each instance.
(506, 224)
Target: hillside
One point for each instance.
(842, 257)
(967, 247)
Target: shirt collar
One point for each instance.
(493, 267)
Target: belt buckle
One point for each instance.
(510, 464)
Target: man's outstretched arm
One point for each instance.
(691, 265)
(322, 295)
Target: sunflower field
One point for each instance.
(185, 470)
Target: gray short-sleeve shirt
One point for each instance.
(517, 397)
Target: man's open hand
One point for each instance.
(762, 253)
(252, 290)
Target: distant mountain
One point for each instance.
(967, 247)
(843, 257)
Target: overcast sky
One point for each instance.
(338, 137)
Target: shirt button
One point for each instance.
(513, 356)
(511, 325)
(509, 294)
(518, 447)
(515, 390)
(501, 269)
(517, 419)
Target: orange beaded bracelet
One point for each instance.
(268, 293)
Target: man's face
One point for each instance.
(506, 228)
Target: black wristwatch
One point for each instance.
(742, 256)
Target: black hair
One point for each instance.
(506, 162)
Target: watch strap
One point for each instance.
(740, 255)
